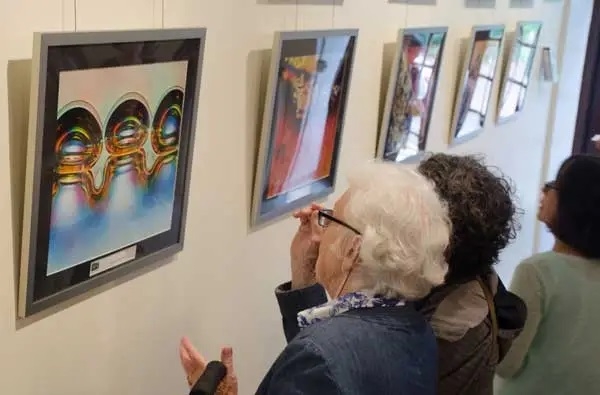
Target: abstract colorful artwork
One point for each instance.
(518, 70)
(117, 157)
(411, 94)
(477, 81)
(112, 143)
(310, 75)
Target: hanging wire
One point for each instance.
(406, 16)
(62, 15)
(297, 11)
(75, 14)
(333, 14)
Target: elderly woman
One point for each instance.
(473, 316)
(557, 352)
(381, 246)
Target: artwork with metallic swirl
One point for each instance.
(116, 154)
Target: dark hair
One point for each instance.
(481, 208)
(577, 221)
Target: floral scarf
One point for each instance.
(351, 301)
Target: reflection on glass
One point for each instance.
(307, 114)
(474, 96)
(405, 127)
(518, 70)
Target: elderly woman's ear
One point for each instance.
(352, 254)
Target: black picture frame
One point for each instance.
(65, 141)
(271, 202)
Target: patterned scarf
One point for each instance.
(351, 301)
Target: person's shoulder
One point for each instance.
(540, 263)
(540, 259)
(361, 327)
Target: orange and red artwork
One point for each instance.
(309, 93)
(306, 128)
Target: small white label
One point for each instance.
(298, 193)
(113, 260)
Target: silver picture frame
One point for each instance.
(517, 73)
(413, 153)
(54, 53)
(265, 206)
(478, 75)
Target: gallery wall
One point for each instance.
(219, 290)
(563, 111)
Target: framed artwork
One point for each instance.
(303, 121)
(113, 117)
(476, 83)
(518, 70)
(411, 94)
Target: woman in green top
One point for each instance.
(558, 351)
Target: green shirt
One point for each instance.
(558, 351)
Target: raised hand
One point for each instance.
(194, 364)
(304, 249)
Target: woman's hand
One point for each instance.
(194, 364)
(304, 249)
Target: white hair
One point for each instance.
(405, 230)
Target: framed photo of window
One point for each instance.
(113, 119)
(518, 70)
(303, 121)
(411, 94)
(476, 82)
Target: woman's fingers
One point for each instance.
(315, 228)
(304, 215)
(229, 385)
(191, 359)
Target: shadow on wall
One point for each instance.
(389, 52)
(18, 80)
(302, 2)
(257, 74)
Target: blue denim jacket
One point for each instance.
(379, 351)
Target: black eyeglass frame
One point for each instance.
(327, 214)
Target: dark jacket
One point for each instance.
(466, 365)
(379, 350)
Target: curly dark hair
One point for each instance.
(577, 221)
(482, 210)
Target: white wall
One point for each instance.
(565, 102)
(220, 288)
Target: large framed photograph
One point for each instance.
(518, 71)
(476, 83)
(111, 135)
(303, 121)
(411, 94)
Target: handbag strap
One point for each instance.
(492, 308)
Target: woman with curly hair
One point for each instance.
(557, 352)
(473, 316)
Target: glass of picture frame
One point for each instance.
(411, 94)
(476, 82)
(303, 122)
(518, 70)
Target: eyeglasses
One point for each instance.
(325, 217)
(550, 185)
